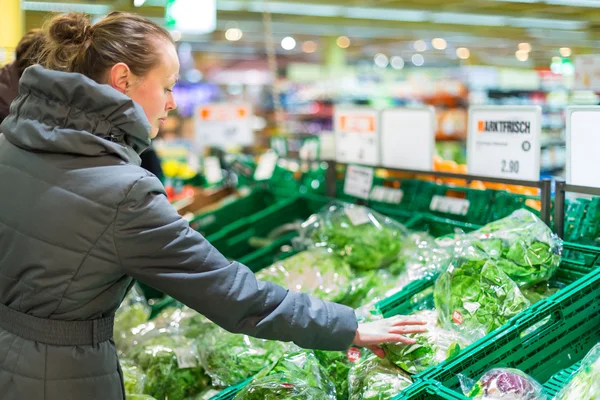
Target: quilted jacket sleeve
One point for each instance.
(159, 248)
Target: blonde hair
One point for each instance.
(73, 44)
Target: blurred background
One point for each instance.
(292, 61)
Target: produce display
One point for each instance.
(364, 238)
(503, 384)
(337, 366)
(585, 383)
(134, 379)
(373, 378)
(133, 312)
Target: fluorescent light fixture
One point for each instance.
(385, 14)
(469, 19)
(48, 6)
(288, 43)
(138, 3)
(233, 34)
(574, 3)
(317, 10)
(522, 22)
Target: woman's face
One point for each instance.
(154, 92)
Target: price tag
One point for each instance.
(357, 135)
(449, 205)
(387, 195)
(185, 358)
(266, 166)
(358, 215)
(223, 125)
(504, 141)
(359, 181)
(583, 141)
(408, 138)
(212, 170)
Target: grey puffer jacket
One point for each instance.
(79, 219)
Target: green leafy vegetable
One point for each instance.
(139, 397)
(133, 377)
(375, 379)
(585, 384)
(230, 358)
(133, 312)
(363, 238)
(337, 366)
(171, 365)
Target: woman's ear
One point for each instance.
(120, 77)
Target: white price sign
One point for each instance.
(212, 170)
(387, 195)
(583, 142)
(449, 205)
(223, 125)
(504, 141)
(359, 181)
(266, 166)
(408, 138)
(357, 135)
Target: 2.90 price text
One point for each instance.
(510, 166)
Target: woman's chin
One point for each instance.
(154, 132)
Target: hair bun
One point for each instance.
(69, 29)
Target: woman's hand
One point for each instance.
(390, 330)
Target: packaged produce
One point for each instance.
(337, 366)
(134, 379)
(297, 376)
(503, 384)
(364, 238)
(474, 296)
(373, 378)
(522, 246)
(585, 383)
(134, 311)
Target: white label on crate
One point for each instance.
(583, 142)
(504, 141)
(408, 138)
(359, 181)
(185, 357)
(223, 125)
(357, 135)
(358, 215)
(212, 170)
(387, 195)
(266, 166)
(449, 205)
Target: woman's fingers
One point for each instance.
(402, 339)
(403, 321)
(378, 351)
(403, 330)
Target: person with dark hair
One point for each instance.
(83, 220)
(25, 55)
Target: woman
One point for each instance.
(83, 219)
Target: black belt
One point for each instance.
(56, 332)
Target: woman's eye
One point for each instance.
(168, 90)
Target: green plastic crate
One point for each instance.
(242, 237)
(211, 222)
(427, 390)
(505, 203)
(560, 379)
(550, 336)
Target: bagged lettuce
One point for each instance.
(364, 238)
(522, 246)
(432, 347)
(170, 362)
(474, 296)
(315, 271)
(134, 311)
(297, 376)
(337, 366)
(139, 397)
(585, 383)
(231, 358)
(503, 384)
(373, 378)
(185, 321)
(134, 378)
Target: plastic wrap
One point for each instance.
(373, 378)
(134, 311)
(523, 246)
(585, 383)
(337, 366)
(315, 271)
(171, 364)
(364, 238)
(474, 296)
(134, 379)
(295, 376)
(432, 347)
(503, 384)
(230, 358)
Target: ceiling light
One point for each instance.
(288, 43)
(420, 45)
(418, 60)
(343, 42)
(556, 59)
(138, 3)
(439, 44)
(522, 55)
(565, 52)
(233, 34)
(463, 53)
(309, 46)
(397, 62)
(526, 47)
(381, 60)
